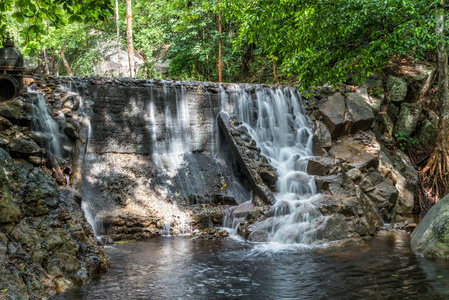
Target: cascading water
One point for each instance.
(277, 121)
(42, 121)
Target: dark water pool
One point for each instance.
(182, 268)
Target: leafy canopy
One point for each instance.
(36, 15)
(325, 41)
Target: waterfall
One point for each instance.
(42, 121)
(89, 184)
(277, 121)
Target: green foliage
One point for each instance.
(318, 42)
(405, 142)
(326, 41)
(36, 16)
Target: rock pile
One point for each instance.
(46, 244)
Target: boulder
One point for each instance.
(407, 119)
(24, 147)
(373, 97)
(431, 237)
(384, 195)
(388, 125)
(9, 211)
(354, 156)
(322, 165)
(333, 111)
(4, 123)
(397, 89)
(41, 138)
(11, 109)
(427, 135)
(71, 129)
(406, 188)
(321, 135)
(360, 111)
(393, 111)
(246, 211)
(354, 174)
(421, 79)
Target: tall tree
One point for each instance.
(220, 45)
(47, 71)
(129, 33)
(64, 60)
(117, 19)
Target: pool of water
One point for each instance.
(183, 268)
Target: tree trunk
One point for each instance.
(53, 58)
(38, 62)
(220, 43)
(64, 61)
(47, 71)
(118, 37)
(275, 74)
(129, 33)
(437, 168)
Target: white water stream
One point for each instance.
(42, 121)
(277, 121)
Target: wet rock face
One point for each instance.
(260, 174)
(46, 245)
(125, 118)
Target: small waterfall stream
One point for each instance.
(277, 121)
(43, 122)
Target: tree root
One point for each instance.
(435, 175)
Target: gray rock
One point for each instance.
(388, 125)
(36, 160)
(322, 135)
(405, 187)
(422, 78)
(322, 165)
(11, 109)
(427, 135)
(258, 236)
(360, 111)
(354, 174)
(431, 237)
(384, 195)
(24, 147)
(354, 156)
(397, 89)
(4, 123)
(9, 211)
(393, 111)
(246, 210)
(41, 138)
(407, 119)
(71, 131)
(333, 112)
